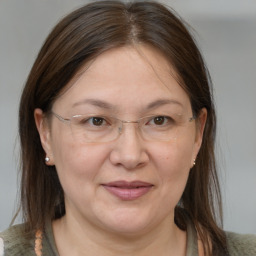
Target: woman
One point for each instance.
(117, 128)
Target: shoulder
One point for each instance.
(1, 247)
(13, 242)
(241, 244)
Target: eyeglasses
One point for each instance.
(100, 128)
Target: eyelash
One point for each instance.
(167, 119)
(103, 121)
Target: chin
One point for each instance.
(127, 223)
(128, 230)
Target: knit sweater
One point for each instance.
(13, 243)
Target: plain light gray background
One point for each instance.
(226, 32)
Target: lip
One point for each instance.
(128, 191)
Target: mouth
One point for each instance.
(128, 191)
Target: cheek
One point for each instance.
(173, 162)
(76, 164)
(173, 158)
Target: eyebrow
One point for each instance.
(106, 105)
(94, 102)
(162, 102)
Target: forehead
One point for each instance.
(126, 77)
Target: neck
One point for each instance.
(74, 238)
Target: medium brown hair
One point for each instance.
(80, 37)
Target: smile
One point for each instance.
(128, 190)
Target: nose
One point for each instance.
(129, 149)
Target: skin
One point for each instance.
(97, 222)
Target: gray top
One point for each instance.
(16, 244)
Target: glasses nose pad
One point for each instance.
(120, 128)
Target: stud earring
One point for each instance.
(194, 163)
(47, 159)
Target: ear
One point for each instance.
(44, 133)
(200, 125)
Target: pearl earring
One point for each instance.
(194, 163)
(47, 159)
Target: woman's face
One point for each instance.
(129, 184)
